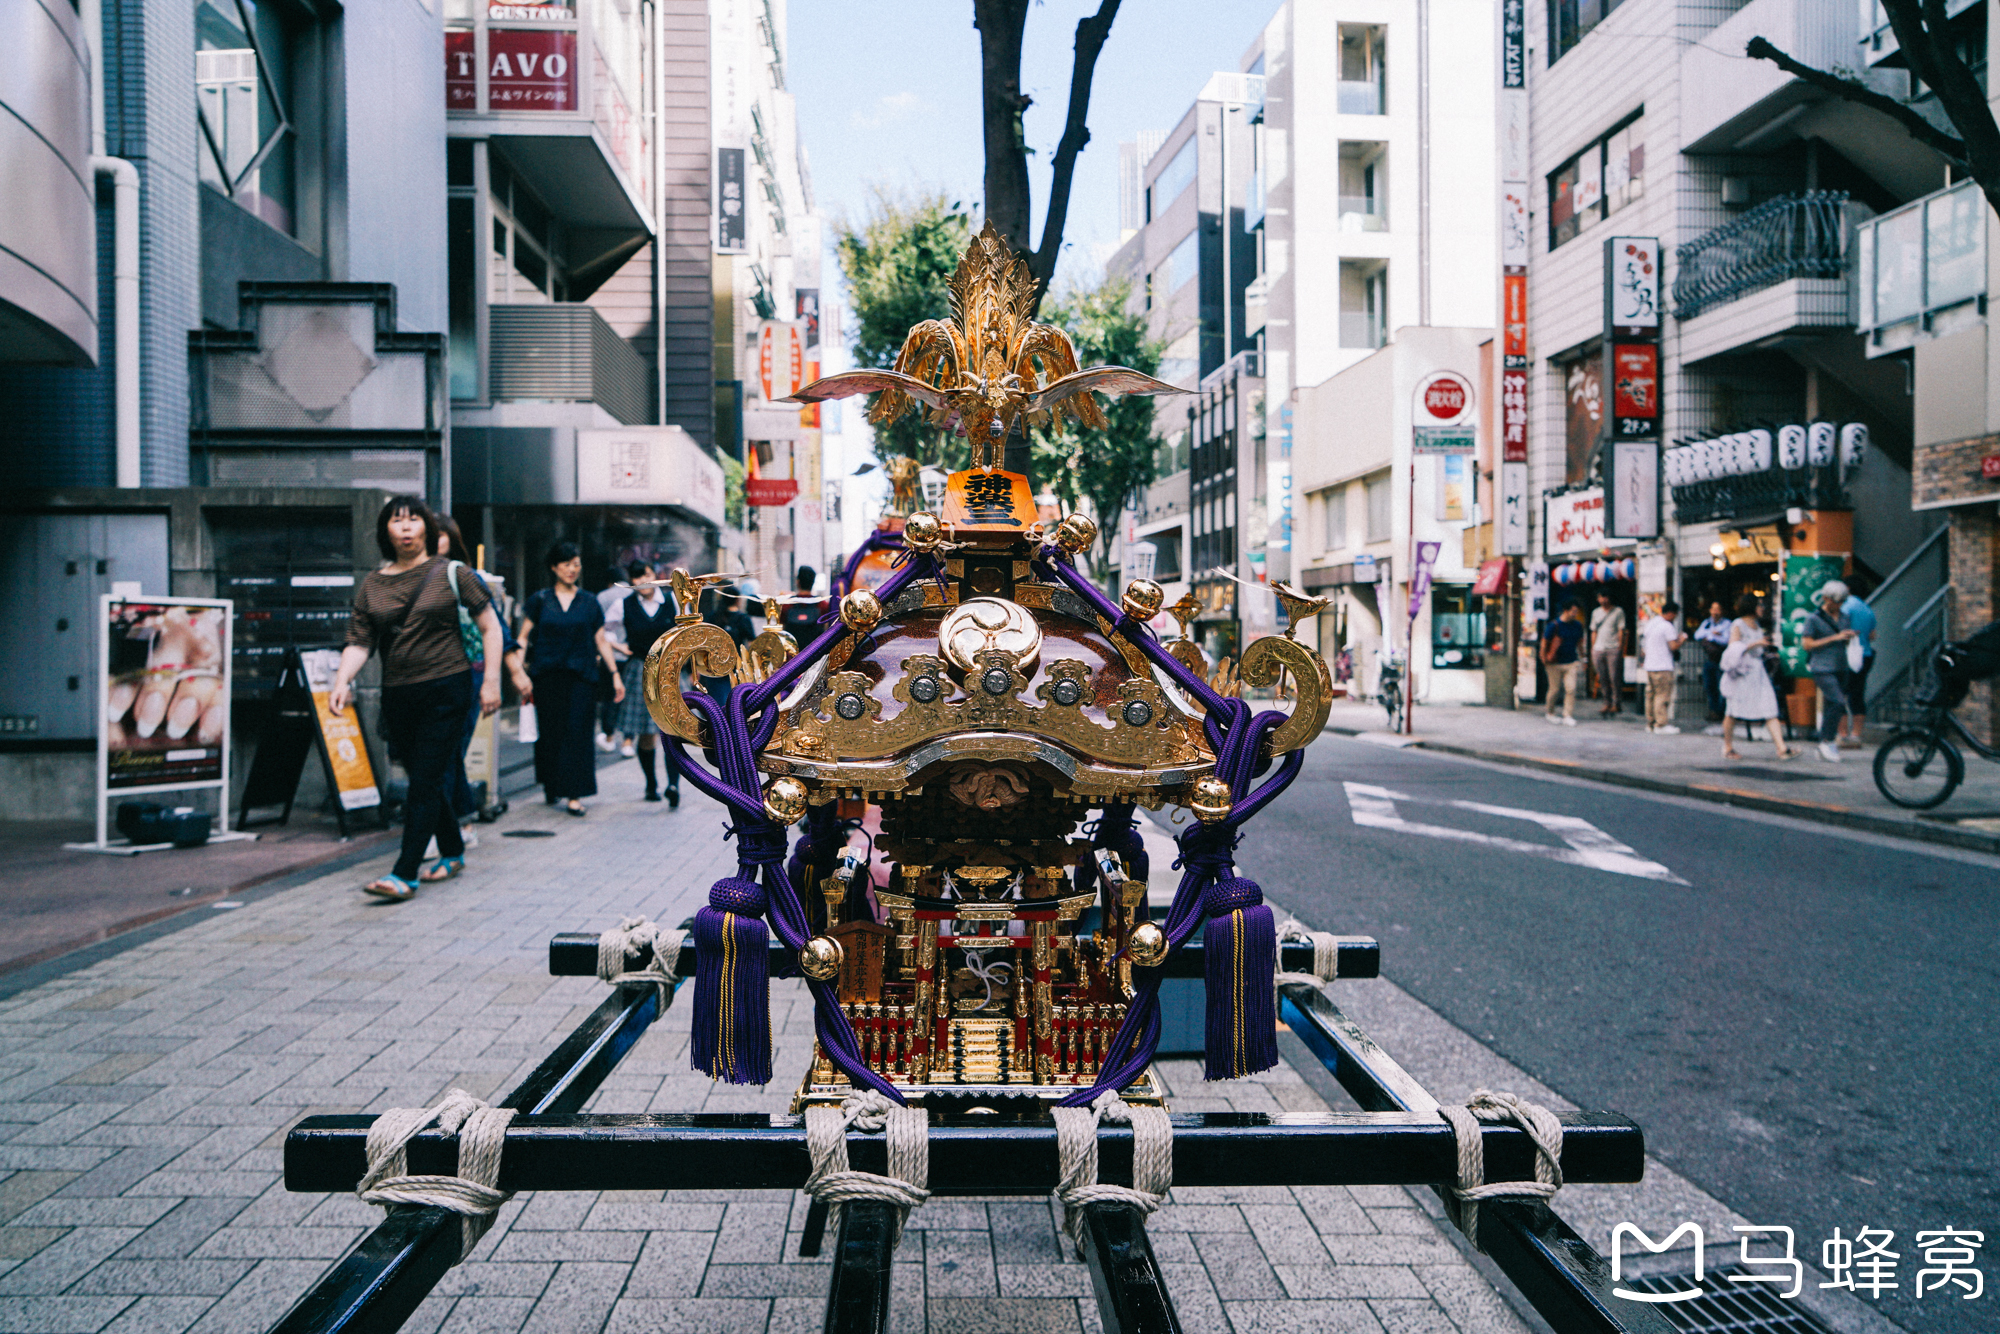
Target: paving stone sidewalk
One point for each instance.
(144, 1100)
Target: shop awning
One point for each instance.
(1492, 577)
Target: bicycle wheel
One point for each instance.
(1917, 769)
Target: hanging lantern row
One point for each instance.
(1594, 571)
(1790, 447)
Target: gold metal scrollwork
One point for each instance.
(1262, 664)
(703, 649)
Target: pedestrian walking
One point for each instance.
(451, 546)
(1607, 651)
(646, 614)
(1659, 639)
(1746, 682)
(611, 600)
(1824, 634)
(562, 628)
(612, 718)
(1562, 652)
(799, 617)
(726, 614)
(1861, 620)
(1713, 636)
(409, 610)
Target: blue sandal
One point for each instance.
(443, 869)
(391, 887)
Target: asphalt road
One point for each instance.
(1802, 1021)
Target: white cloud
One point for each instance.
(887, 108)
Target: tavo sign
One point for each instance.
(1443, 398)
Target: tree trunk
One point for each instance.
(1000, 24)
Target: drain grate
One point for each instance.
(1728, 1308)
(528, 833)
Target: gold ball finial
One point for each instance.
(1075, 533)
(1143, 599)
(922, 531)
(785, 800)
(1212, 801)
(820, 957)
(861, 611)
(1147, 945)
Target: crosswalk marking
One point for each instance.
(1584, 844)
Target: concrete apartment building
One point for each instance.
(1358, 147)
(1821, 273)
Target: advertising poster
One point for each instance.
(1803, 576)
(346, 750)
(166, 693)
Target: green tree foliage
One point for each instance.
(734, 474)
(896, 264)
(1103, 467)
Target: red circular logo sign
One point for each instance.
(1445, 397)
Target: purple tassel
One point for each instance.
(732, 989)
(1240, 950)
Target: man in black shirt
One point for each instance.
(800, 616)
(1561, 652)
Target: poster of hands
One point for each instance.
(166, 699)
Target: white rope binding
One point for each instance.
(835, 1183)
(481, 1131)
(1541, 1126)
(1076, 1149)
(631, 938)
(1326, 954)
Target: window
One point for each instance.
(1597, 182)
(1333, 506)
(1458, 627)
(1362, 89)
(1180, 360)
(1167, 565)
(1175, 177)
(1571, 20)
(526, 261)
(1364, 187)
(243, 78)
(1364, 303)
(1378, 493)
(1182, 264)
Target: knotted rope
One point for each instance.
(1541, 1125)
(481, 1131)
(835, 1183)
(629, 940)
(1076, 1150)
(1326, 954)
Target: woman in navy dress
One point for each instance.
(563, 630)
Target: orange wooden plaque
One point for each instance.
(980, 502)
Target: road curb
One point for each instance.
(1840, 816)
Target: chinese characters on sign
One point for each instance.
(729, 230)
(1862, 1264)
(1574, 521)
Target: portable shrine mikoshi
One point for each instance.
(965, 747)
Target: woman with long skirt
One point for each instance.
(562, 629)
(408, 611)
(1746, 685)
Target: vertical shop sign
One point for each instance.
(729, 233)
(1512, 539)
(461, 70)
(1278, 485)
(807, 308)
(1632, 378)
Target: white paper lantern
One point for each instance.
(1853, 445)
(1792, 446)
(1820, 444)
(1760, 450)
(1739, 453)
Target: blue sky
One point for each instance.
(888, 93)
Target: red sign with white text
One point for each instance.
(1445, 397)
(1514, 293)
(531, 70)
(1514, 416)
(461, 70)
(770, 490)
(1989, 467)
(1635, 387)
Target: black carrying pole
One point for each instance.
(1131, 1296)
(857, 1299)
(383, 1279)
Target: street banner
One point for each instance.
(346, 749)
(1420, 576)
(165, 694)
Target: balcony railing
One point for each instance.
(564, 352)
(1792, 236)
(1363, 213)
(1360, 97)
(1921, 262)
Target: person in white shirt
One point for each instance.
(1607, 651)
(612, 599)
(1659, 637)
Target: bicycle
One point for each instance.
(1918, 768)
(1389, 691)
